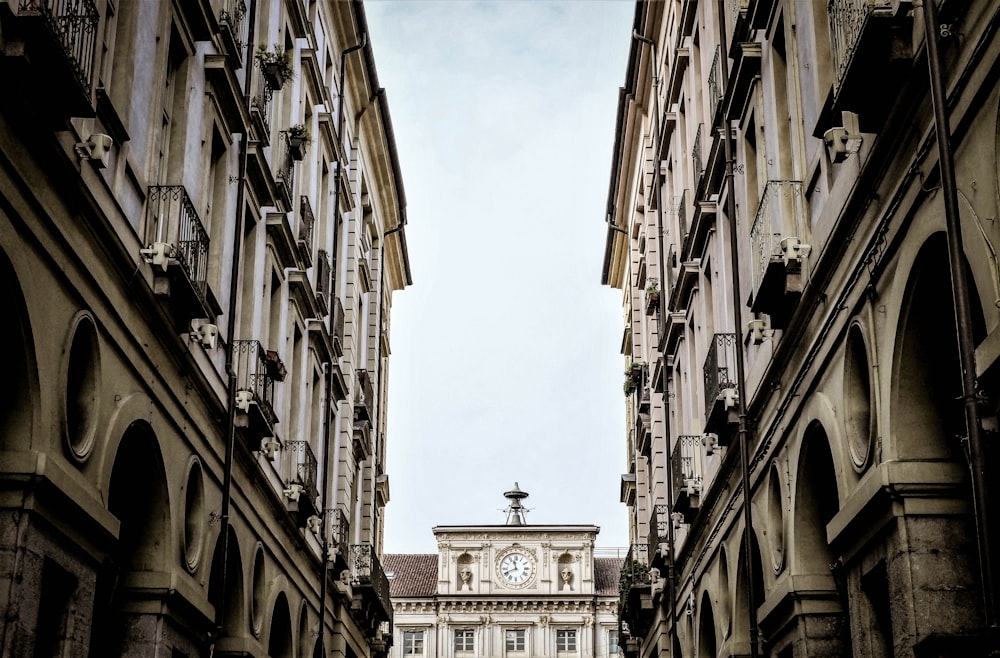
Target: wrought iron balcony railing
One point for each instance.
(697, 158)
(364, 399)
(340, 533)
(284, 163)
(172, 221)
(367, 573)
(657, 530)
(73, 24)
(323, 272)
(254, 385)
(685, 469)
(337, 320)
(680, 210)
(233, 25)
(260, 105)
(720, 369)
(780, 214)
(715, 83)
(303, 468)
(307, 223)
(847, 22)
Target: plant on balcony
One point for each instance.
(635, 371)
(632, 572)
(275, 366)
(298, 137)
(275, 64)
(652, 295)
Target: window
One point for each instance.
(565, 640)
(413, 643)
(463, 641)
(612, 642)
(515, 639)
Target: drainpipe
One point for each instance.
(963, 318)
(660, 325)
(332, 441)
(741, 398)
(234, 290)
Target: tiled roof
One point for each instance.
(606, 573)
(415, 574)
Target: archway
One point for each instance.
(707, 644)
(741, 615)
(137, 496)
(229, 607)
(279, 639)
(16, 386)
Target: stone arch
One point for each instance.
(724, 600)
(708, 644)
(304, 631)
(19, 388)
(926, 415)
(138, 497)
(279, 636)
(230, 605)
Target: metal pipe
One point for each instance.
(234, 290)
(741, 402)
(332, 442)
(963, 319)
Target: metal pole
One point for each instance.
(963, 318)
(741, 403)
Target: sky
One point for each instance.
(505, 363)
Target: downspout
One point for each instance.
(661, 324)
(234, 290)
(332, 441)
(963, 318)
(741, 401)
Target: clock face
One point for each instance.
(515, 568)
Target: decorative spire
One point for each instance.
(515, 511)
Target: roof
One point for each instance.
(606, 573)
(415, 574)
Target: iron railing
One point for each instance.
(323, 281)
(847, 22)
(252, 376)
(635, 572)
(367, 572)
(337, 321)
(696, 157)
(340, 532)
(73, 23)
(261, 103)
(680, 210)
(172, 219)
(715, 81)
(685, 465)
(720, 368)
(304, 468)
(657, 527)
(232, 19)
(307, 223)
(779, 215)
(364, 398)
(284, 173)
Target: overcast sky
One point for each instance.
(505, 351)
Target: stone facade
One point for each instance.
(777, 226)
(192, 430)
(472, 600)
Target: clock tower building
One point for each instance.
(506, 591)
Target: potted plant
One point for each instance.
(635, 371)
(652, 295)
(298, 137)
(275, 65)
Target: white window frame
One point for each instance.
(466, 634)
(566, 640)
(412, 640)
(513, 636)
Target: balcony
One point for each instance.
(685, 470)
(371, 605)
(635, 603)
(260, 108)
(777, 251)
(60, 42)
(872, 46)
(364, 397)
(337, 321)
(254, 391)
(307, 223)
(284, 173)
(301, 490)
(178, 251)
(721, 387)
(233, 30)
(340, 549)
(658, 535)
(715, 84)
(697, 158)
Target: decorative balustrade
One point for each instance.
(73, 25)
(780, 214)
(173, 223)
(367, 574)
(254, 386)
(307, 223)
